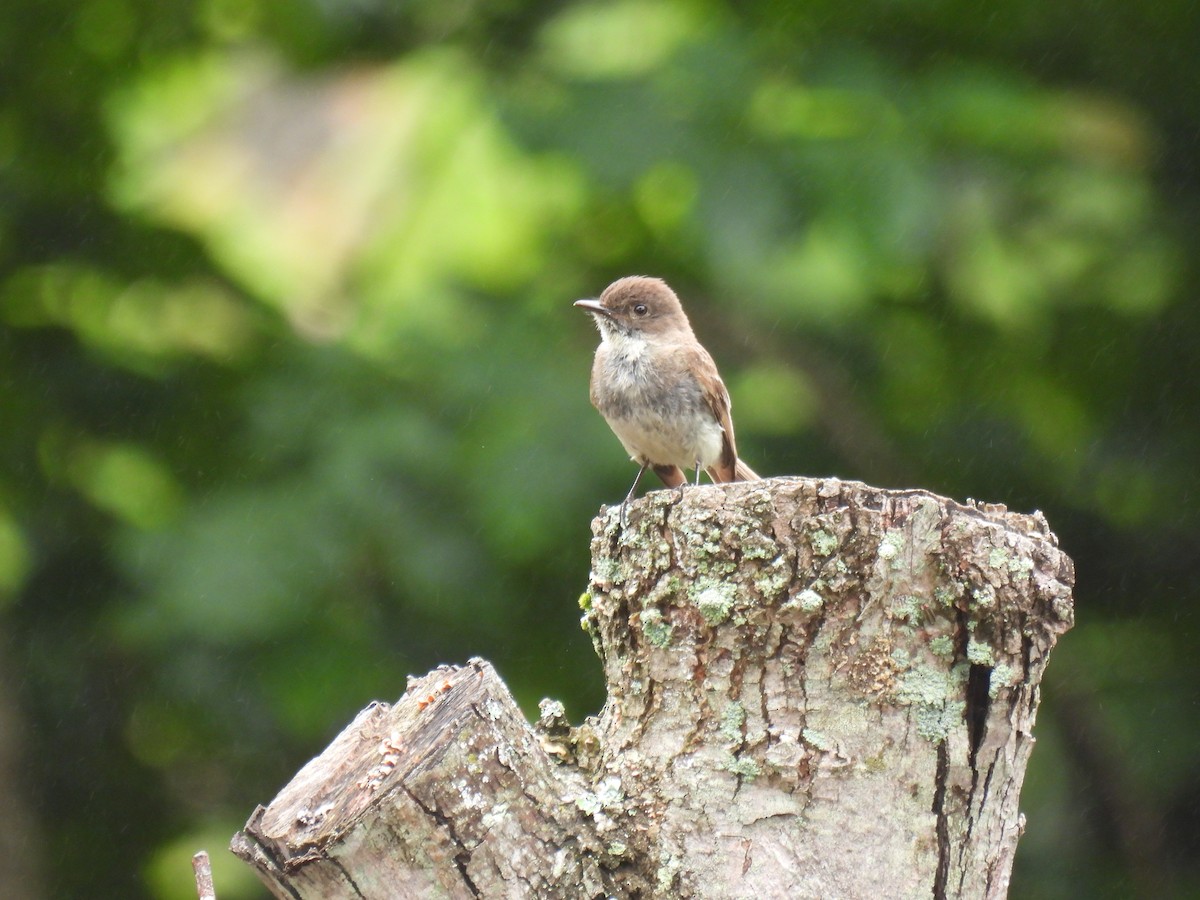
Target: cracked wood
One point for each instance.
(816, 688)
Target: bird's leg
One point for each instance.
(629, 496)
(683, 483)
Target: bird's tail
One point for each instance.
(740, 472)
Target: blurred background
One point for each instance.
(293, 401)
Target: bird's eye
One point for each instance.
(640, 309)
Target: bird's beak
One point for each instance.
(593, 306)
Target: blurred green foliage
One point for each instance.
(295, 402)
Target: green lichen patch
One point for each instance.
(891, 544)
(818, 739)
(998, 558)
(703, 544)
(942, 646)
(823, 543)
(980, 654)
(733, 717)
(908, 607)
(755, 545)
(659, 554)
(1003, 676)
(946, 594)
(716, 568)
(714, 599)
(743, 767)
(809, 600)
(605, 571)
(587, 803)
(1020, 566)
(935, 723)
(927, 685)
(656, 629)
(551, 708)
(585, 601)
(668, 870)
(773, 579)
(984, 595)
(937, 697)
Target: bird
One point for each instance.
(658, 388)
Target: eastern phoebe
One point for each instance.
(658, 388)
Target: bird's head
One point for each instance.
(638, 306)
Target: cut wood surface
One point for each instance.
(815, 689)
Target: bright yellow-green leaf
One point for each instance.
(620, 39)
(127, 481)
(773, 398)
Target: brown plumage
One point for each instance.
(658, 388)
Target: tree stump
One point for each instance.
(815, 689)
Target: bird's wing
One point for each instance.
(717, 397)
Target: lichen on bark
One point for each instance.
(815, 689)
(881, 650)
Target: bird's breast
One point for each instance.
(656, 407)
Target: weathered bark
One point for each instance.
(816, 689)
(445, 794)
